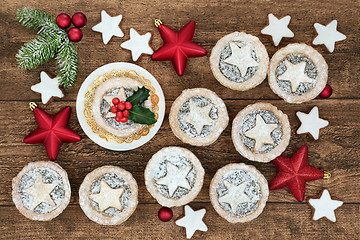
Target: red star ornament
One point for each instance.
(294, 173)
(52, 131)
(178, 46)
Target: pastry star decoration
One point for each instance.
(109, 26)
(138, 44)
(311, 123)
(121, 95)
(199, 116)
(192, 221)
(108, 197)
(48, 88)
(295, 74)
(235, 195)
(261, 133)
(40, 192)
(294, 173)
(241, 57)
(328, 35)
(175, 177)
(325, 206)
(278, 28)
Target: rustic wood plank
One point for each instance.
(144, 224)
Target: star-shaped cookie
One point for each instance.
(138, 44)
(324, 206)
(235, 195)
(278, 28)
(295, 74)
(328, 35)
(192, 221)
(199, 116)
(241, 57)
(48, 88)
(40, 192)
(311, 123)
(261, 133)
(109, 26)
(108, 197)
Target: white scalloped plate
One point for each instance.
(80, 107)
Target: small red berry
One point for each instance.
(63, 20)
(115, 101)
(113, 109)
(126, 113)
(75, 34)
(121, 106)
(165, 214)
(118, 119)
(79, 19)
(119, 114)
(128, 105)
(123, 119)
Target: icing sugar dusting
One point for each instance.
(48, 176)
(252, 190)
(188, 128)
(114, 181)
(249, 122)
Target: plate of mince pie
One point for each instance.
(120, 106)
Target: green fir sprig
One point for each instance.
(51, 42)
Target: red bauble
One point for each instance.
(294, 173)
(326, 93)
(52, 131)
(178, 46)
(165, 214)
(79, 19)
(63, 20)
(75, 34)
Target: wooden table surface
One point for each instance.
(337, 150)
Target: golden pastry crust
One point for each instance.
(91, 212)
(215, 199)
(248, 153)
(41, 216)
(154, 162)
(315, 57)
(221, 122)
(261, 70)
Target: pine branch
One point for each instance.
(67, 64)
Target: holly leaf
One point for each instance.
(139, 114)
(139, 96)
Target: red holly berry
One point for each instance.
(165, 214)
(123, 119)
(63, 20)
(121, 106)
(118, 119)
(75, 34)
(128, 105)
(115, 101)
(79, 19)
(119, 114)
(113, 109)
(126, 113)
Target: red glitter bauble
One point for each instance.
(326, 93)
(63, 20)
(178, 46)
(75, 34)
(79, 19)
(165, 214)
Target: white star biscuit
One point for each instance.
(241, 57)
(295, 74)
(324, 206)
(40, 192)
(108, 197)
(138, 44)
(192, 221)
(48, 88)
(199, 116)
(235, 195)
(311, 123)
(261, 133)
(328, 35)
(175, 177)
(109, 26)
(278, 28)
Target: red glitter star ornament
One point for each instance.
(294, 173)
(178, 46)
(52, 130)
